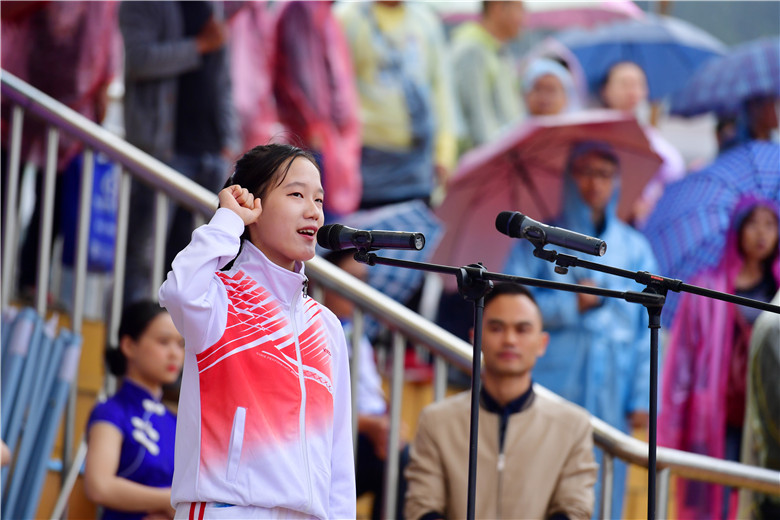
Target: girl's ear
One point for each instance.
(127, 345)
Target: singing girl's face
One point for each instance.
(286, 231)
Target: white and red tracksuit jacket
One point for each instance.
(264, 410)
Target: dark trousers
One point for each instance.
(370, 476)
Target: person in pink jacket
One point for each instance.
(264, 426)
(704, 378)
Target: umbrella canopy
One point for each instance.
(688, 227)
(547, 15)
(395, 282)
(414, 216)
(523, 171)
(722, 84)
(564, 14)
(669, 50)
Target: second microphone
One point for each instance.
(337, 236)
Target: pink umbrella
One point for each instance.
(564, 14)
(523, 171)
(549, 15)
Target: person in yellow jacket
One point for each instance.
(406, 103)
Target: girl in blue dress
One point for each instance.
(129, 465)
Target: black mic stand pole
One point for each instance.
(657, 285)
(474, 282)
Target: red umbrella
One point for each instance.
(523, 171)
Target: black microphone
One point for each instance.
(338, 236)
(517, 225)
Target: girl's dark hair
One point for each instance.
(265, 167)
(136, 318)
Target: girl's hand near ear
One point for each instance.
(241, 202)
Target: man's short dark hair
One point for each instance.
(486, 6)
(511, 289)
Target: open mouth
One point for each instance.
(309, 232)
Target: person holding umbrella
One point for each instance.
(548, 88)
(625, 88)
(705, 370)
(599, 352)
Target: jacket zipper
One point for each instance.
(503, 424)
(302, 381)
(501, 462)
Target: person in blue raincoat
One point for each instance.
(599, 352)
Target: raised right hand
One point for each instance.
(241, 202)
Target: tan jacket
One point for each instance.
(548, 464)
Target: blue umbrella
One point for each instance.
(395, 282)
(25, 331)
(54, 407)
(36, 417)
(667, 49)
(688, 226)
(723, 83)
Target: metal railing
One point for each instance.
(405, 324)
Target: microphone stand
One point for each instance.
(656, 285)
(474, 282)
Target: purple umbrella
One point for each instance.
(688, 226)
(722, 84)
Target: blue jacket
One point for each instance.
(599, 359)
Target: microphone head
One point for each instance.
(506, 220)
(328, 236)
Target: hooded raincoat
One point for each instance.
(600, 358)
(693, 411)
(314, 87)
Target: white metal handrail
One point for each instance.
(404, 322)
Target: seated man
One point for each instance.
(535, 456)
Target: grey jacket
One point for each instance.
(156, 53)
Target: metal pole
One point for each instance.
(354, 373)
(11, 211)
(160, 235)
(79, 285)
(69, 480)
(120, 254)
(471, 496)
(439, 378)
(662, 509)
(120, 257)
(47, 216)
(396, 395)
(607, 478)
(655, 325)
